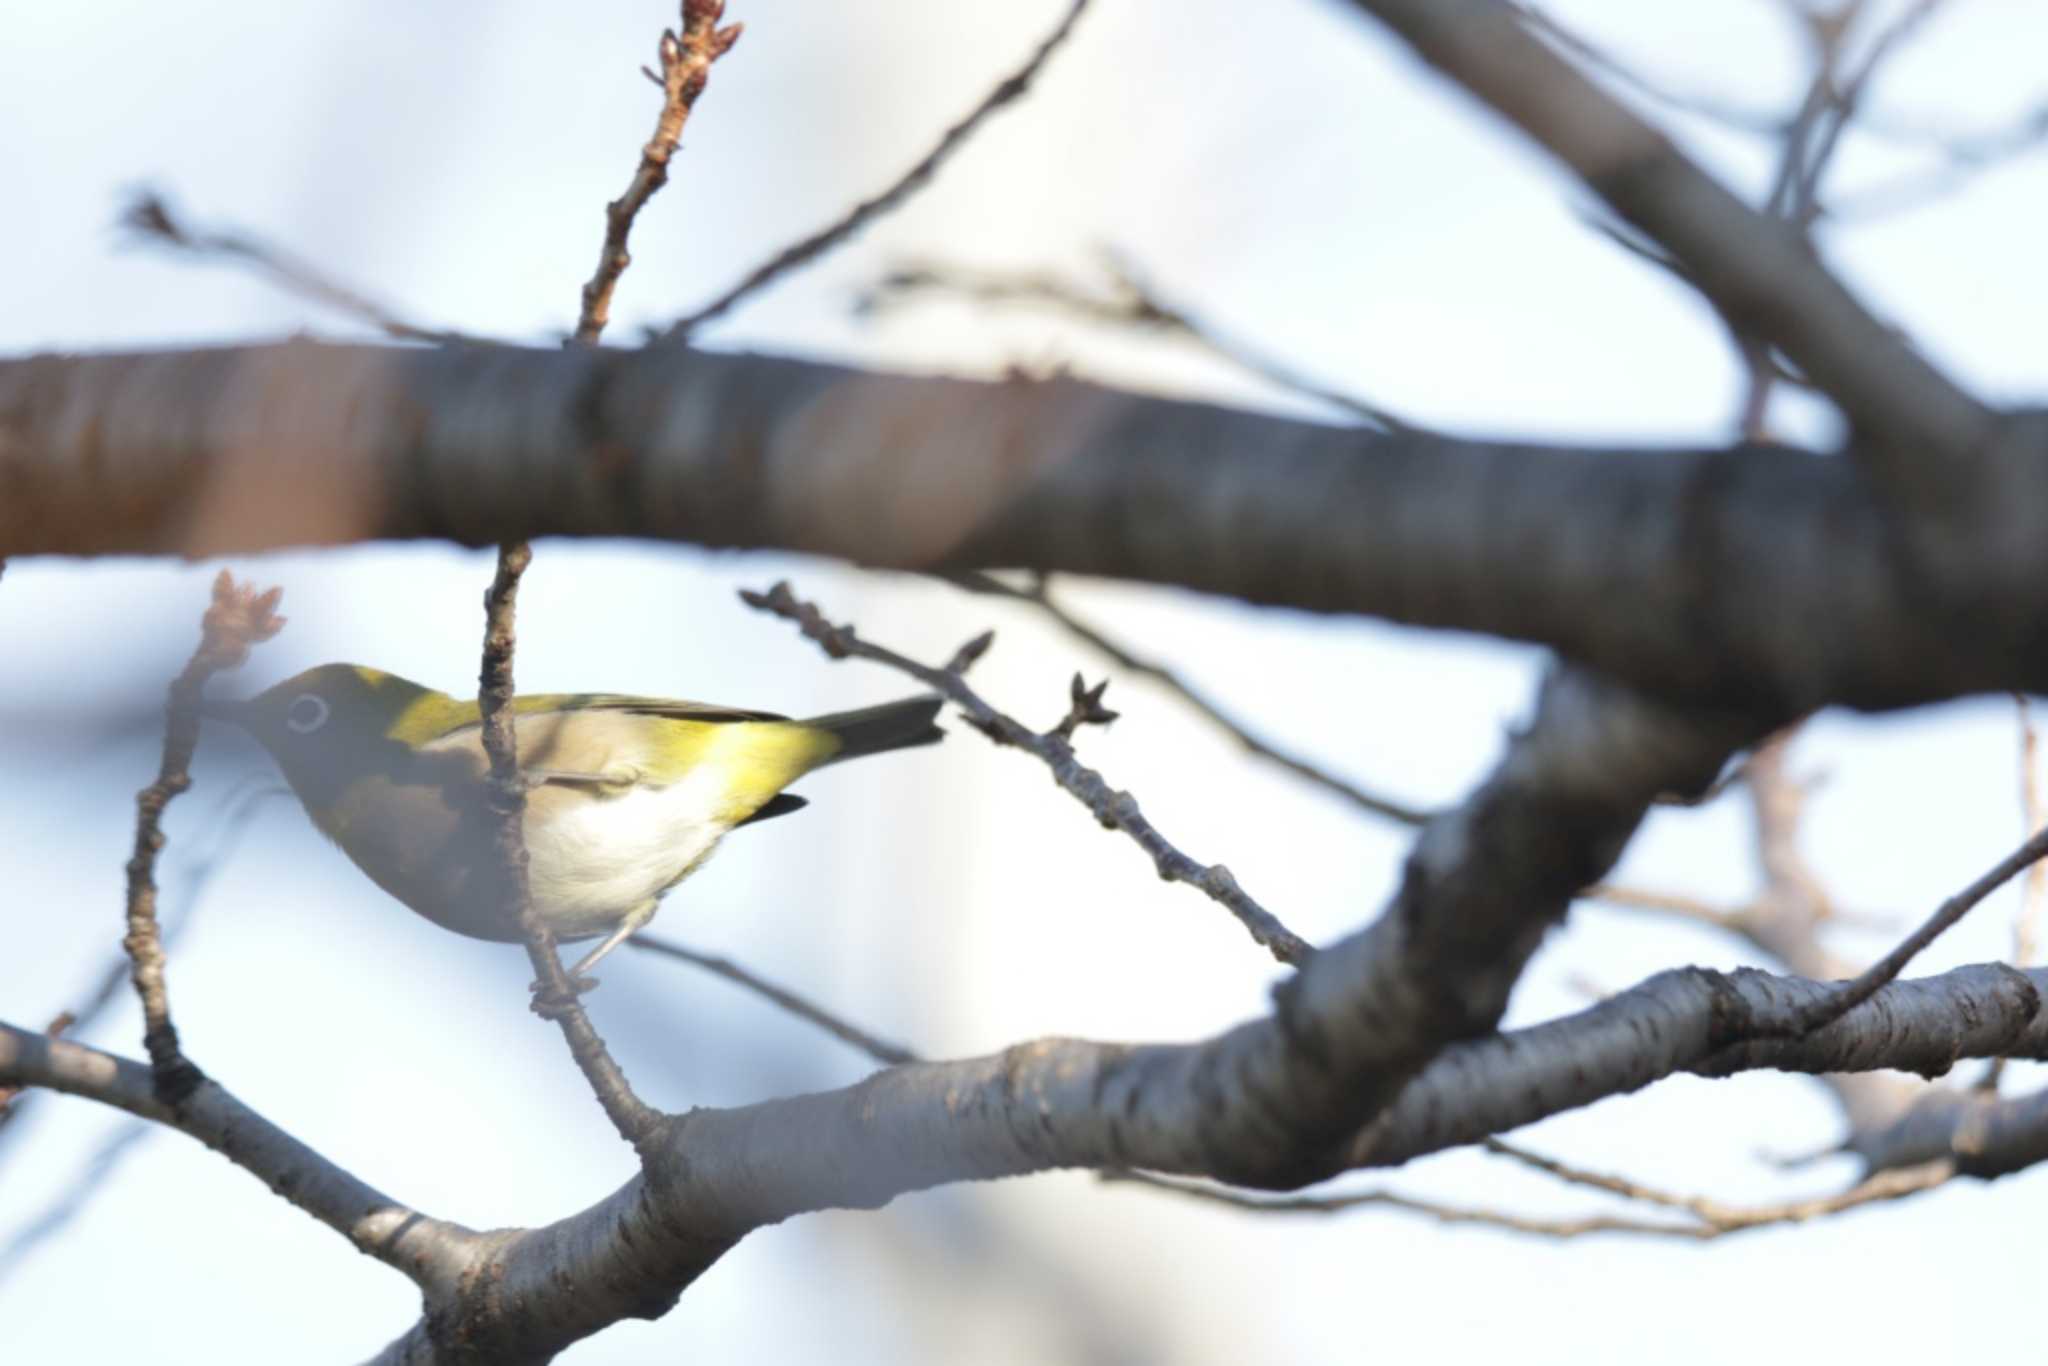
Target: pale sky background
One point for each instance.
(1293, 178)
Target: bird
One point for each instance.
(625, 796)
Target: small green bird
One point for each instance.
(626, 796)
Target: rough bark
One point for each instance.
(1760, 576)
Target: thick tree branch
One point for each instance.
(1758, 272)
(1762, 574)
(1986, 1136)
(1066, 1103)
(1712, 1024)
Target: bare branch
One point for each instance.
(1711, 1218)
(1945, 916)
(430, 1252)
(1348, 1201)
(69, 1203)
(1984, 1134)
(1758, 273)
(1130, 302)
(1067, 1103)
(1765, 574)
(1699, 104)
(1113, 809)
(555, 996)
(237, 619)
(808, 249)
(686, 60)
(1840, 102)
(2026, 929)
(1718, 1217)
(238, 813)
(1961, 160)
(1668, 903)
(1040, 597)
(1711, 1024)
(151, 218)
(882, 1051)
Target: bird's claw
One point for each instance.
(550, 1006)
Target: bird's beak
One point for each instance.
(232, 710)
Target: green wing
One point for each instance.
(437, 716)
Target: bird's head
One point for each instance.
(333, 724)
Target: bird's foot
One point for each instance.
(551, 1005)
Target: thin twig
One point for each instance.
(65, 1207)
(686, 60)
(240, 811)
(1718, 1217)
(1962, 159)
(2026, 929)
(860, 215)
(555, 995)
(1114, 810)
(1039, 596)
(2025, 925)
(1699, 104)
(150, 217)
(237, 619)
(1847, 102)
(1866, 983)
(881, 1050)
(1210, 1193)
(1129, 302)
(1710, 1218)
(1667, 903)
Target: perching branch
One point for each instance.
(555, 996)
(686, 59)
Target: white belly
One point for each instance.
(595, 858)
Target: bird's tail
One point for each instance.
(877, 730)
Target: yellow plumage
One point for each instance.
(626, 795)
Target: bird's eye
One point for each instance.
(306, 714)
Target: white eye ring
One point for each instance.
(304, 720)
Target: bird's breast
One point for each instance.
(593, 856)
